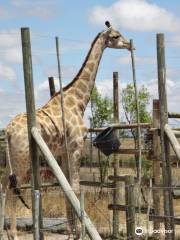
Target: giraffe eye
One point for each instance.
(116, 37)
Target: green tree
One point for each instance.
(129, 104)
(129, 107)
(102, 109)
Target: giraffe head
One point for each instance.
(114, 39)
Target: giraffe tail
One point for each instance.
(16, 191)
(12, 176)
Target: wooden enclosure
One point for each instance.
(163, 137)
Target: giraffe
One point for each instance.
(76, 97)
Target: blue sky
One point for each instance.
(77, 23)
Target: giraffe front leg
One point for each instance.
(72, 227)
(75, 175)
(13, 229)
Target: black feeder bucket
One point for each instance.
(107, 141)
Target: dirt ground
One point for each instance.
(47, 236)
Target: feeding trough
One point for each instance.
(107, 141)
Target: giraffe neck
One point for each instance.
(77, 93)
(81, 87)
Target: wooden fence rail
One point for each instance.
(122, 126)
(173, 140)
(174, 115)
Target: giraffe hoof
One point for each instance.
(70, 237)
(14, 237)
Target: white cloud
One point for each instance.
(42, 11)
(7, 73)
(21, 8)
(136, 15)
(42, 92)
(12, 103)
(69, 45)
(12, 55)
(105, 87)
(175, 39)
(173, 89)
(44, 86)
(11, 49)
(10, 38)
(5, 13)
(68, 72)
(10, 45)
(138, 59)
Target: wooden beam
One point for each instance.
(31, 118)
(163, 218)
(130, 209)
(116, 190)
(165, 147)
(156, 164)
(176, 133)
(67, 189)
(96, 184)
(173, 115)
(122, 126)
(55, 225)
(118, 178)
(52, 88)
(131, 151)
(125, 207)
(173, 140)
(43, 185)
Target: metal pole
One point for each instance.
(31, 116)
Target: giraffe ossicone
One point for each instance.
(76, 97)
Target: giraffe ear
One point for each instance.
(109, 27)
(107, 23)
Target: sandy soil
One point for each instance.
(47, 236)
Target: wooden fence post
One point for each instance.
(165, 148)
(130, 208)
(2, 213)
(51, 86)
(156, 163)
(116, 191)
(31, 117)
